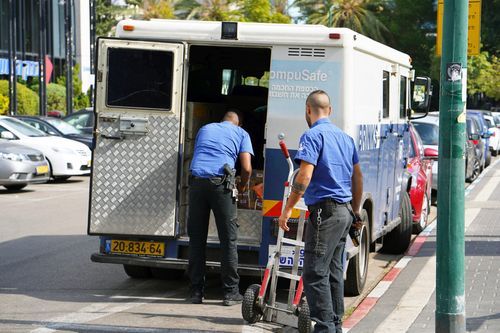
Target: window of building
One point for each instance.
(385, 94)
(140, 79)
(403, 104)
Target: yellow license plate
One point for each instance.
(42, 169)
(137, 247)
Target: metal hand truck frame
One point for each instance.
(258, 302)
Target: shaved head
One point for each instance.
(319, 102)
(232, 116)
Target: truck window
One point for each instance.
(139, 79)
(385, 95)
(402, 96)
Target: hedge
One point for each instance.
(27, 100)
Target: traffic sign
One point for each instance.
(474, 31)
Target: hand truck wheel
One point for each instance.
(250, 310)
(304, 322)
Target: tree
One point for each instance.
(482, 77)
(80, 99)
(159, 9)
(214, 10)
(358, 15)
(490, 21)
(27, 100)
(263, 11)
(106, 17)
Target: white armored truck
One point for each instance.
(159, 81)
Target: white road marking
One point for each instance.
(403, 262)
(380, 289)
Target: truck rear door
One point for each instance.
(134, 185)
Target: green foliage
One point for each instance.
(56, 97)
(358, 15)
(214, 10)
(159, 9)
(4, 104)
(106, 14)
(27, 100)
(482, 75)
(80, 99)
(263, 11)
(490, 21)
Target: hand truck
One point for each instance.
(260, 302)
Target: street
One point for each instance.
(48, 283)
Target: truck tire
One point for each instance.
(250, 311)
(304, 321)
(398, 240)
(137, 272)
(357, 267)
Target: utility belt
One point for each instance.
(228, 180)
(327, 203)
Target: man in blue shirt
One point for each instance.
(216, 144)
(330, 179)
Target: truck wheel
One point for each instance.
(137, 272)
(304, 322)
(357, 269)
(250, 310)
(398, 240)
(424, 215)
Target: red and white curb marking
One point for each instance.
(369, 302)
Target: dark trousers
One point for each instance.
(323, 270)
(206, 195)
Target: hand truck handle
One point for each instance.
(284, 149)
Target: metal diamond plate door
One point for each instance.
(135, 179)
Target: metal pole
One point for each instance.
(92, 45)
(12, 58)
(42, 51)
(450, 255)
(69, 55)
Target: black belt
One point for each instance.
(214, 179)
(328, 202)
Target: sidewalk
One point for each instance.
(404, 301)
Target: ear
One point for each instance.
(329, 110)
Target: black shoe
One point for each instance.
(196, 297)
(232, 299)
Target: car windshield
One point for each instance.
(23, 128)
(429, 133)
(64, 127)
(489, 122)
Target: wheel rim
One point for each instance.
(475, 172)
(362, 252)
(424, 213)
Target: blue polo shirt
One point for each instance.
(333, 154)
(217, 144)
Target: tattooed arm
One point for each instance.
(298, 188)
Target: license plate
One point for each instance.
(42, 169)
(155, 249)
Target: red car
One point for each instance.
(420, 167)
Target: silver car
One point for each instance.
(21, 165)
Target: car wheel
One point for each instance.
(357, 269)
(476, 170)
(16, 187)
(424, 215)
(488, 159)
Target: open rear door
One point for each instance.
(134, 186)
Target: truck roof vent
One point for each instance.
(306, 52)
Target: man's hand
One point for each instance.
(358, 222)
(242, 187)
(283, 219)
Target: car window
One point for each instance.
(78, 120)
(429, 133)
(3, 129)
(489, 122)
(64, 127)
(23, 128)
(39, 126)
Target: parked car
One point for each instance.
(82, 119)
(494, 129)
(428, 130)
(485, 135)
(66, 157)
(21, 165)
(474, 150)
(420, 167)
(58, 127)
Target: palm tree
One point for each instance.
(214, 10)
(353, 14)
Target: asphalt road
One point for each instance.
(48, 283)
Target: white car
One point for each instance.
(66, 157)
(494, 129)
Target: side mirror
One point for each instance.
(474, 137)
(431, 153)
(421, 95)
(486, 135)
(7, 135)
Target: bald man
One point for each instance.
(330, 180)
(216, 144)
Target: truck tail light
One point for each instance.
(128, 28)
(334, 35)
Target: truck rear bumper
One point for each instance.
(170, 263)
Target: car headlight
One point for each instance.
(13, 157)
(63, 150)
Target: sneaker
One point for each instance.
(196, 297)
(232, 299)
